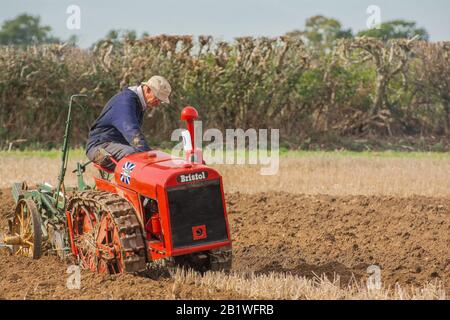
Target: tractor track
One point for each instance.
(124, 218)
(279, 232)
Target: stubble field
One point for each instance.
(309, 232)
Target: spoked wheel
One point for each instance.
(25, 230)
(110, 249)
(84, 228)
(106, 233)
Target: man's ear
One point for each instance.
(146, 89)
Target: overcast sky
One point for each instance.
(223, 19)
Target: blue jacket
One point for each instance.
(120, 122)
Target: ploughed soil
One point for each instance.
(306, 235)
(408, 238)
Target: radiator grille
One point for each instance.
(196, 205)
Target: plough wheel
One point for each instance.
(106, 233)
(25, 230)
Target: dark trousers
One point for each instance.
(116, 150)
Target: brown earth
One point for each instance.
(6, 206)
(23, 278)
(301, 234)
(408, 238)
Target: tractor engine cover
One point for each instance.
(190, 202)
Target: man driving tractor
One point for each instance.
(117, 131)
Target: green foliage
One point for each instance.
(248, 83)
(396, 29)
(311, 85)
(117, 36)
(321, 32)
(24, 30)
(284, 152)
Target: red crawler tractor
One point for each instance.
(152, 207)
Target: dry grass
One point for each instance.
(37, 170)
(315, 174)
(346, 176)
(288, 287)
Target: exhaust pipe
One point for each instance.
(193, 155)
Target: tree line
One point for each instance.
(322, 86)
